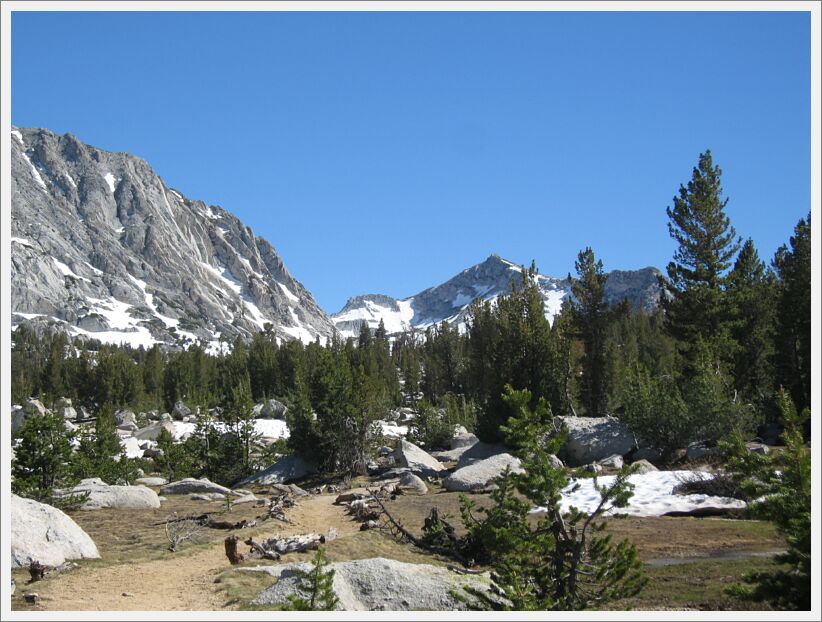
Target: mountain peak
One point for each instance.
(102, 246)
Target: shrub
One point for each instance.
(781, 485)
(563, 562)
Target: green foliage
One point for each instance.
(563, 562)
(781, 485)
(706, 244)
(590, 318)
(668, 414)
(42, 457)
(100, 454)
(317, 585)
(175, 460)
(793, 357)
(513, 343)
(431, 428)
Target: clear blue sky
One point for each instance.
(385, 152)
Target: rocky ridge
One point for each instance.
(487, 280)
(103, 246)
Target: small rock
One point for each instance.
(643, 466)
(32, 598)
(612, 462)
(128, 594)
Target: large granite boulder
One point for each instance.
(480, 451)
(43, 533)
(32, 408)
(270, 409)
(101, 495)
(413, 484)
(380, 584)
(151, 432)
(288, 469)
(594, 438)
(479, 475)
(180, 410)
(463, 438)
(189, 485)
(409, 455)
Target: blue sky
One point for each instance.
(385, 152)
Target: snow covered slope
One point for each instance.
(102, 246)
(487, 280)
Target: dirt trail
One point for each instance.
(183, 582)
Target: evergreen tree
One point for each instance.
(706, 244)
(752, 298)
(780, 486)
(793, 266)
(590, 319)
(42, 458)
(316, 587)
(561, 562)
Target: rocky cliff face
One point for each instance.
(102, 246)
(487, 280)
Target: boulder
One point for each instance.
(43, 533)
(291, 489)
(409, 455)
(478, 475)
(180, 410)
(380, 584)
(128, 428)
(466, 439)
(643, 466)
(208, 496)
(290, 468)
(594, 438)
(152, 431)
(151, 481)
(189, 485)
(270, 409)
(249, 498)
(125, 417)
(132, 447)
(101, 495)
(68, 413)
(612, 462)
(555, 462)
(411, 483)
(698, 451)
(480, 451)
(19, 415)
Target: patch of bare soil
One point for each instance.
(137, 572)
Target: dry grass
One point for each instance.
(135, 556)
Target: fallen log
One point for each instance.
(261, 552)
(275, 546)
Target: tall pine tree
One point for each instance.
(697, 276)
(590, 316)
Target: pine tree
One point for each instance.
(590, 316)
(793, 266)
(706, 245)
(316, 587)
(752, 296)
(42, 458)
(562, 562)
(780, 485)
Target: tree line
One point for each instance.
(728, 332)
